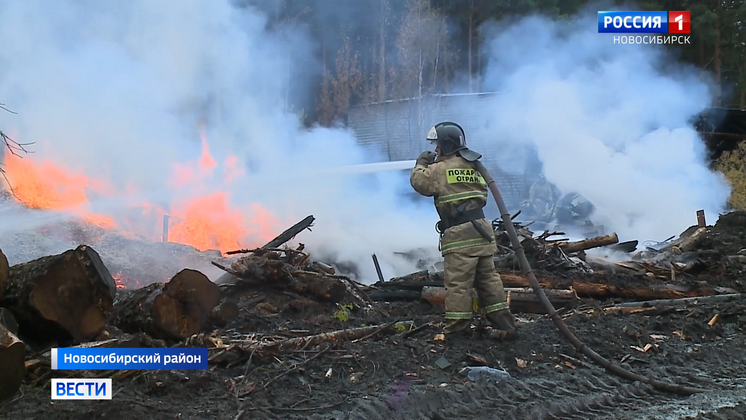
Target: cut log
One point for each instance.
(595, 242)
(521, 300)
(4, 271)
(612, 287)
(224, 313)
(396, 295)
(596, 287)
(691, 242)
(12, 363)
(409, 285)
(61, 296)
(8, 320)
(173, 310)
(268, 271)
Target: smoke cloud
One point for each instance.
(119, 92)
(122, 93)
(608, 121)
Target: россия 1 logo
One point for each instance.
(644, 22)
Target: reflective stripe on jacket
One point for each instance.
(453, 181)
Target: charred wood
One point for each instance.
(691, 242)
(61, 296)
(520, 299)
(732, 297)
(419, 276)
(610, 287)
(290, 233)
(270, 271)
(634, 287)
(396, 295)
(224, 313)
(628, 246)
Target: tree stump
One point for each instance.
(61, 296)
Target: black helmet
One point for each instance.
(449, 136)
(451, 139)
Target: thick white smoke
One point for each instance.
(117, 91)
(608, 121)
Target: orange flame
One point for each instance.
(125, 282)
(206, 162)
(46, 185)
(50, 186)
(118, 280)
(206, 221)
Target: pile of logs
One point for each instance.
(544, 251)
(562, 291)
(72, 299)
(571, 274)
(69, 298)
(285, 269)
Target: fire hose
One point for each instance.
(556, 319)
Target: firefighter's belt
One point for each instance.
(463, 217)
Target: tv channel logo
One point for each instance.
(644, 22)
(81, 389)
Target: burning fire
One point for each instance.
(119, 280)
(124, 281)
(206, 220)
(46, 185)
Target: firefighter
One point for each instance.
(573, 208)
(467, 240)
(541, 196)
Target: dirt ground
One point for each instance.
(396, 377)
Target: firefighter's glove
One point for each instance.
(426, 158)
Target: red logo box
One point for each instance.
(679, 22)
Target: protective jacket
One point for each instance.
(467, 241)
(459, 192)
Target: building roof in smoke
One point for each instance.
(433, 95)
(722, 128)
